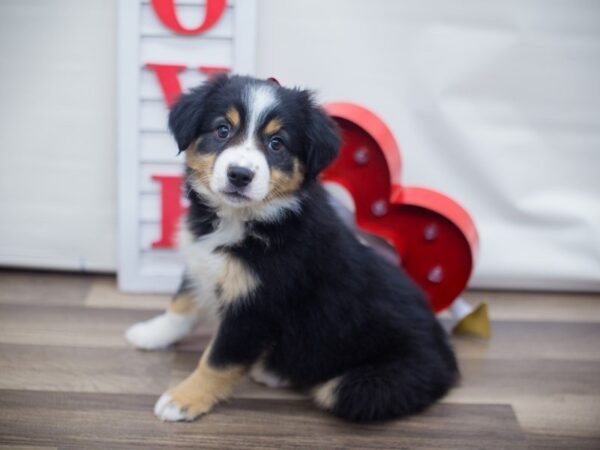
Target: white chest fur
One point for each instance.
(211, 270)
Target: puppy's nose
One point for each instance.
(239, 176)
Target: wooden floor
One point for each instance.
(68, 379)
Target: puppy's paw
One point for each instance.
(145, 336)
(159, 332)
(169, 409)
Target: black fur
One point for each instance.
(189, 113)
(327, 306)
(322, 141)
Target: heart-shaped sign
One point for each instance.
(434, 237)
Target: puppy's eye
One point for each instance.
(222, 131)
(276, 144)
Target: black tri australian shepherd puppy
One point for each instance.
(300, 301)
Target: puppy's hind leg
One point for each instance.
(384, 391)
(168, 328)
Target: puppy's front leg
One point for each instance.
(168, 328)
(242, 337)
(200, 391)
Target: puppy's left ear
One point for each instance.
(323, 142)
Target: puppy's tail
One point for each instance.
(386, 391)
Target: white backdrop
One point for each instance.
(496, 104)
(58, 181)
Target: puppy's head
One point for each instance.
(250, 142)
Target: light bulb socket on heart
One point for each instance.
(430, 233)
(361, 156)
(379, 208)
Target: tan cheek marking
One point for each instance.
(236, 281)
(206, 386)
(184, 304)
(233, 116)
(273, 126)
(201, 164)
(284, 185)
(325, 394)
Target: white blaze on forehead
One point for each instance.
(259, 101)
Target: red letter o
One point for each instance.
(165, 10)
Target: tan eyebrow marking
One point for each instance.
(233, 116)
(273, 126)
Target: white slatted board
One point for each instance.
(145, 147)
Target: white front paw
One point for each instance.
(160, 332)
(140, 336)
(168, 411)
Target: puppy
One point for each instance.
(300, 301)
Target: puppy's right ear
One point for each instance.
(185, 118)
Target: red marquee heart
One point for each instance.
(433, 235)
